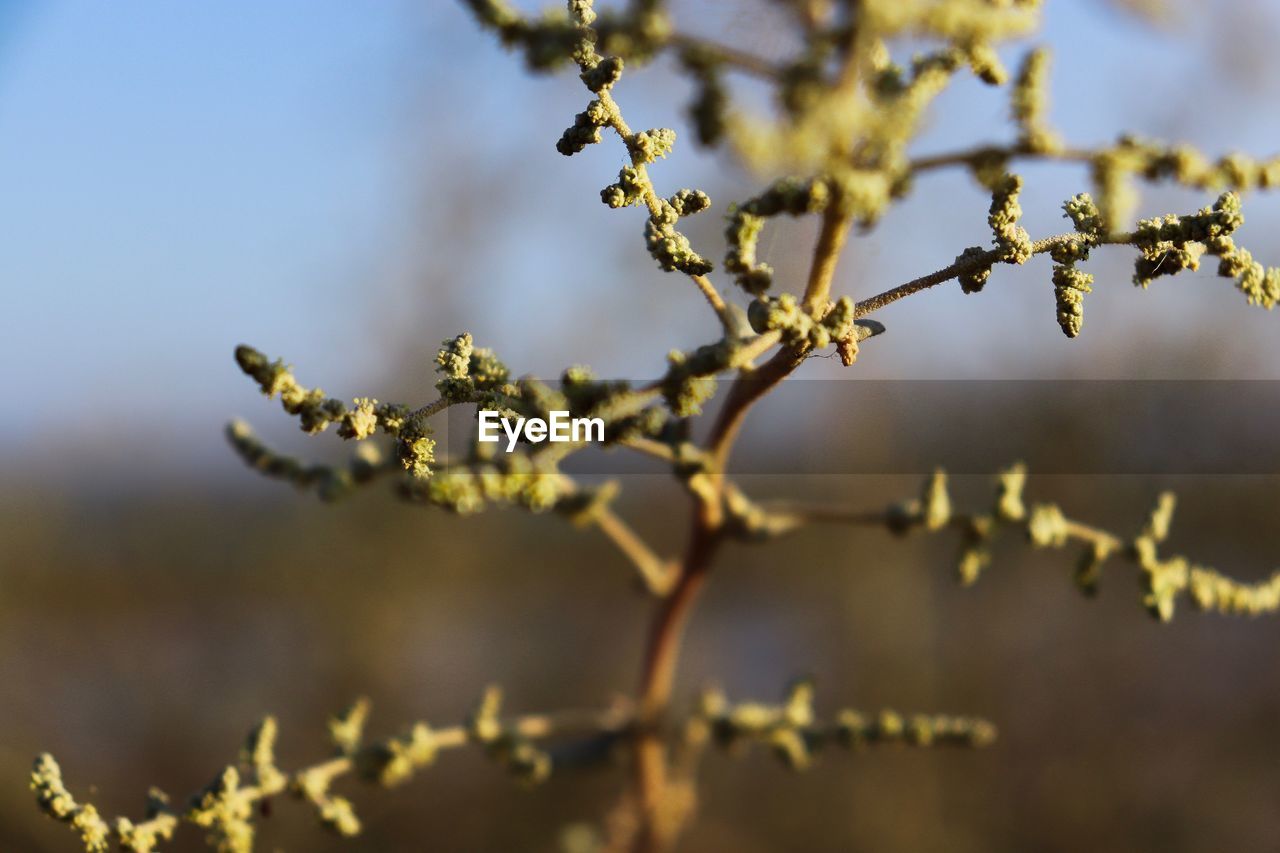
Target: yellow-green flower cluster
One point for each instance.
(158, 825)
(900, 99)
(1167, 245)
(310, 405)
(221, 809)
(585, 129)
(1084, 215)
(330, 483)
(670, 248)
(1069, 287)
(974, 275)
(56, 801)
(95, 833)
(629, 190)
(962, 21)
(1213, 591)
(1131, 156)
(416, 449)
(1030, 104)
(226, 808)
(395, 760)
(1170, 244)
(978, 529)
(709, 109)
(515, 479)
(792, 196)
(583, 395)
(794, 735)
(932, 510)
(1163, 580)
(690, 378)
(505, 744)
(550, 41)
(856, 730)
(226, 805)
(799, 328)
(1259, 284)
(1012, 240)
(469, 373)
(1045, 525)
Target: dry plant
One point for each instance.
(847, 108)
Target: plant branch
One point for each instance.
(826, 255)
(706, 533)
(1043, 525)
(227, 806)
(657, 679)
(750, 386)
(658, 574)
(970, 264)
(650, 447)
(976, 156)
(716, 301)
(748, 63)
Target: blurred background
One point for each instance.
(345, 185)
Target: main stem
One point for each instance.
(658, 826)
(660, 820)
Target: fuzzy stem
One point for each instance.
(715, 300)
(973, 156)
(986, 259)
(831, 239)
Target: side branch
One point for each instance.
(747, 63)
(971, 264)
(227, 806)
(1044, 525)
(979, 156)
(657, 574)
(792, 731)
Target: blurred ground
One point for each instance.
(347, 193)
(143, 634)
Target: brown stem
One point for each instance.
(658, 823)
(715, 300)
(743, 394)
(668, 625)
(835, 230)
(661, 657)
(657, 573)
(986, 259)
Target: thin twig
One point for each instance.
(716, 301)
(973, 156)
(657, 573)
(747, 63)
(650, 447)
(986, 259)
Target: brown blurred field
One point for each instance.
(143, 633)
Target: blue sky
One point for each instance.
(178, 178)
